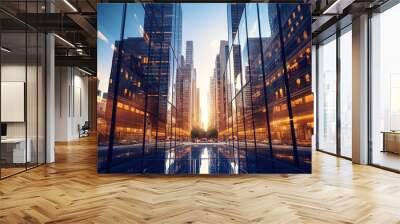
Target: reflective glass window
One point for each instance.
(327, 95)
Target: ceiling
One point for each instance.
(75, 21)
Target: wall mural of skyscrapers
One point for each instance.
(156, 115)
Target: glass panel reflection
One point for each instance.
(22, 90)
(346, 94)
(259, 94)
(385, 89)
(275, 83)
(296, 30)
(327, 96)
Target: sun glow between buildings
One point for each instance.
(205, 47)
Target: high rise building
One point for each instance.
(141, 104)
(131, 94)
(270, 96)
(194, 114)
(220, 85)
(184, 100)
(197, 108)
(235, 11)
(189, 52)
(212, 103)
(161, 70)
(217, 81)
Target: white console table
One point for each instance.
(17, 146)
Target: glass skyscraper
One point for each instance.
(137, 114)
(270, 103)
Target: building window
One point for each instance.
(327, 95)
(346, 93)
(385, 89)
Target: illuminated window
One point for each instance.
(307, 76)
(298, 82)
(305, 34)
(145, 60)
(309, 98)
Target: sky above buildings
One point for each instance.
(206, 25)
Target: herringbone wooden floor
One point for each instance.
(70, 191)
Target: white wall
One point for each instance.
(61, 103)
(71, 102)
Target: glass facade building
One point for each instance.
(184, 101)
(137, 100)
(268, 73)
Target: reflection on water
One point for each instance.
(204, 164)
(205, 159)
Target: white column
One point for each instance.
(50, 99)
(314, 91)
(360, 90)
(62, 101)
